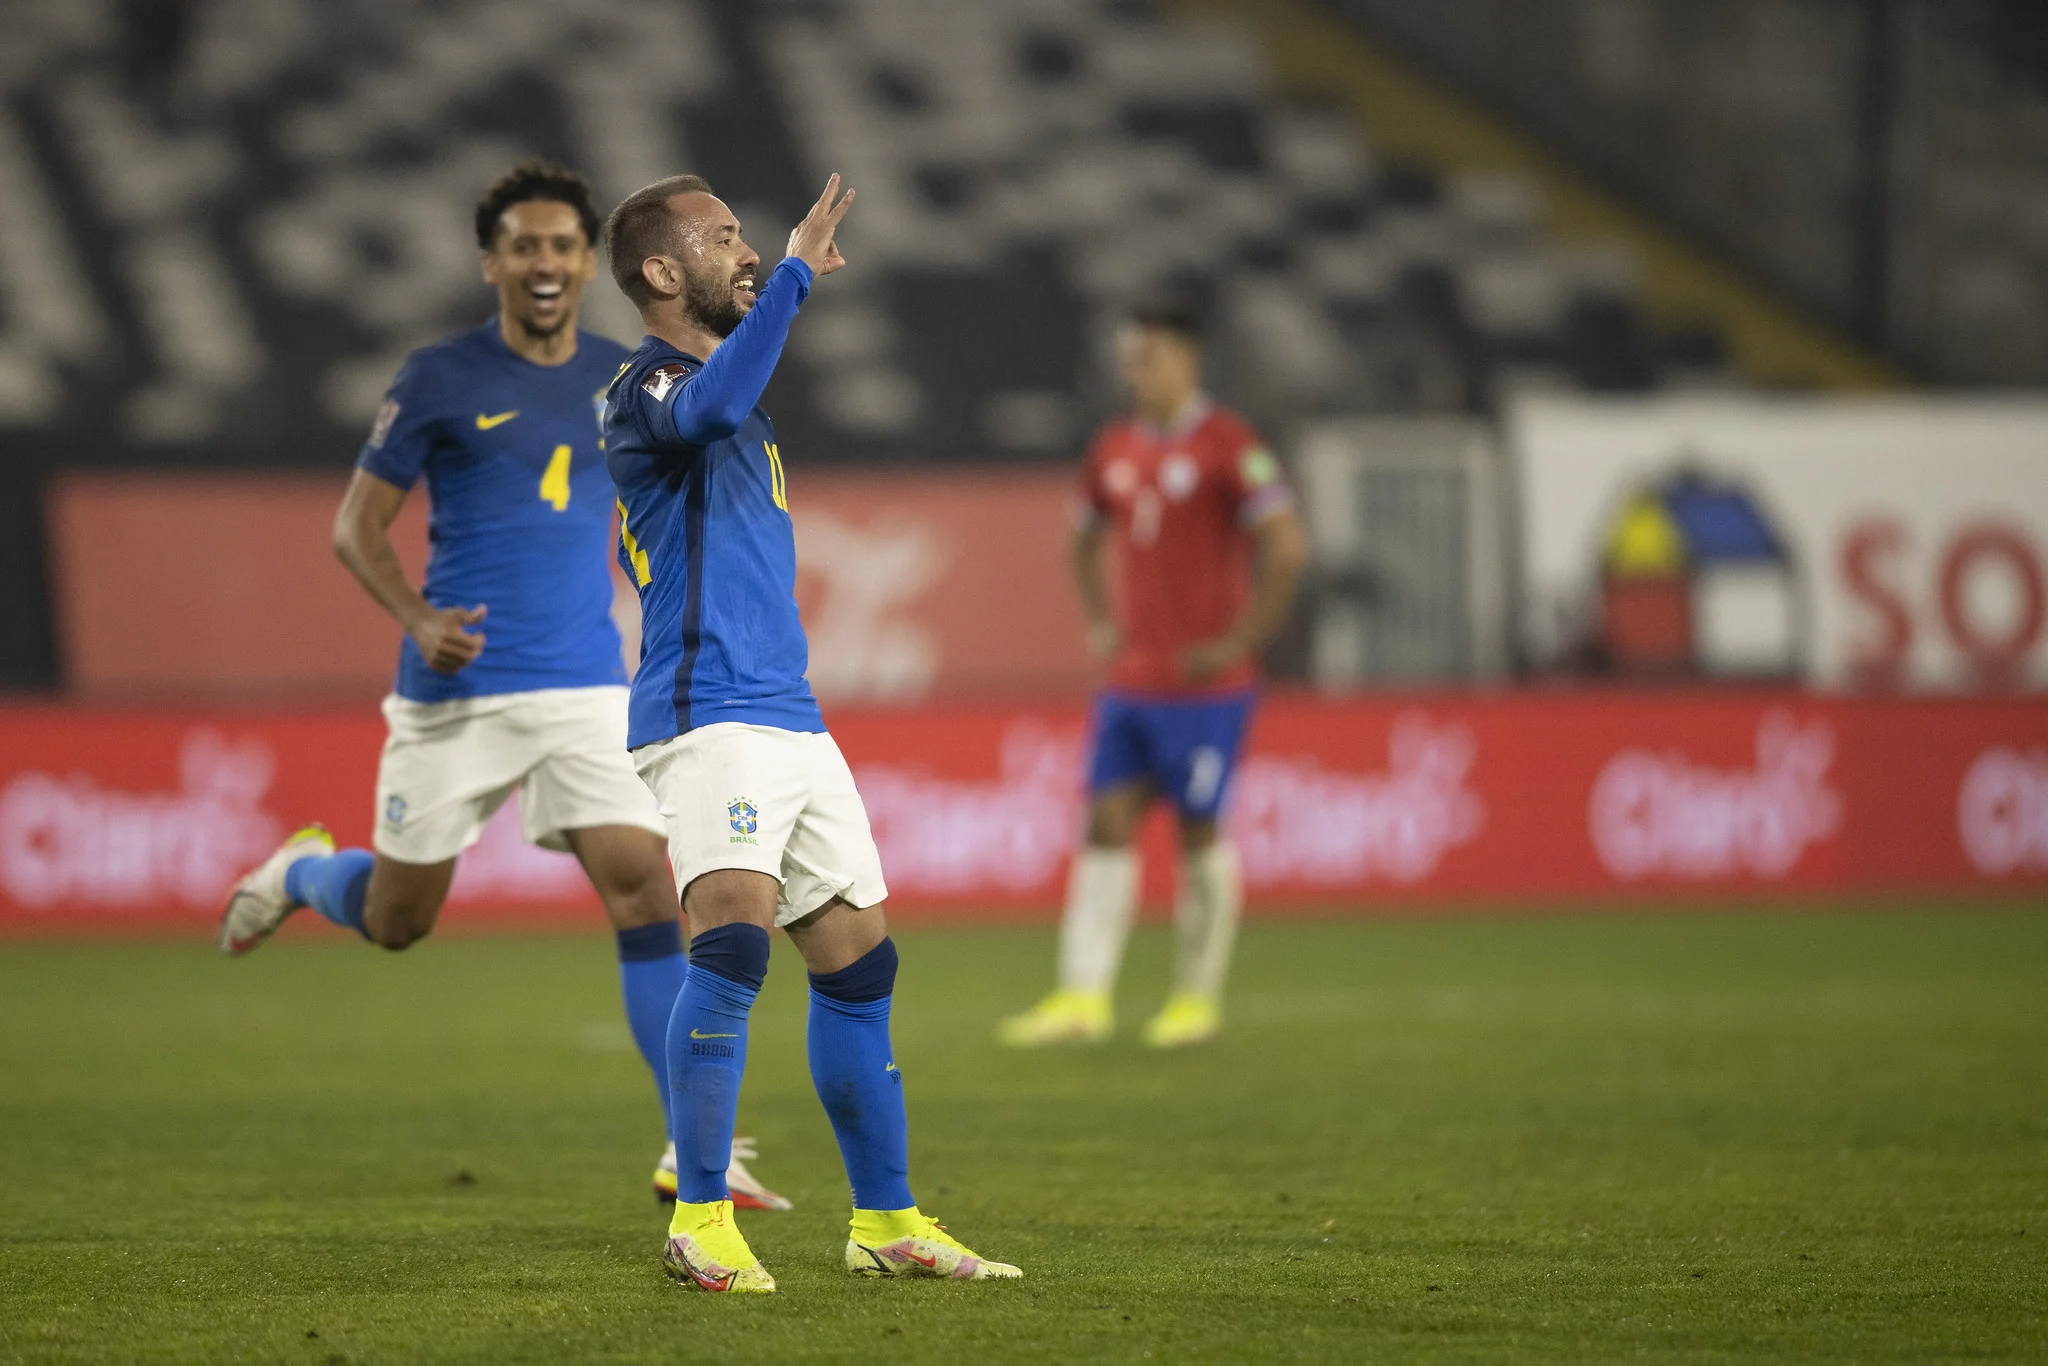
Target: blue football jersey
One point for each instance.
(521, 508)
(707, 537)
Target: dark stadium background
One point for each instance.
(1868, 167)
(1646, 835)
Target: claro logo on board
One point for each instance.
(1663, 815)
(70, 841)
(2002, 812)
(1296, 821)
(1013, 834)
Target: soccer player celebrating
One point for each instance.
(1209, 551)
(502, 421)
(765, 828)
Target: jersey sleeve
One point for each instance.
(406, 429)
(650, 394)
(1253, 480)
(709, 404)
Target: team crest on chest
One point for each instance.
(1178, 475)
(744, 818)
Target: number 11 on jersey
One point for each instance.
(778, 487)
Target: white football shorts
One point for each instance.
(448, 767)
(780, 802)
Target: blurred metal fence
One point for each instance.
(1407, 523)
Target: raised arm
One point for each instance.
(362, 541)
(718, 398)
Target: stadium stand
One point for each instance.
(1881, 160)
(231, 219)
(228, 220)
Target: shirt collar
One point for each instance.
(1192, 414)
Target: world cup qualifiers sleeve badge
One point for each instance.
(1257, 467)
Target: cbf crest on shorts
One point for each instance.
(744, 819)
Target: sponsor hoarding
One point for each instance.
(1864, 543)
(226, 585)
(114, 821)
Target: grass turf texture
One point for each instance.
(1821, 1138)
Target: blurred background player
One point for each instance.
(765, 826)
(501, 420)
(1208, 555)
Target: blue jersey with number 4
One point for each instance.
(706, 532)
(521, 508)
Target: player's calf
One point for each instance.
(404, 901)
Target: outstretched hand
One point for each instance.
(813, 241)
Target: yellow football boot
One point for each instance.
(1187, 1018)
(706, 1249)
(903, 1242)
(1064, 1016)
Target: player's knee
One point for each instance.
(1196, 835)
(1111, 825)
(393, 935)
(627, 871)
(731, 896)
(639, 896)
(737, 952)
(398, 927)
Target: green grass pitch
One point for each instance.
(1811, 1137)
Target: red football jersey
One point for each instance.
(1180, 502)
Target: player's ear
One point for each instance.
(489, 262)
(663, 275)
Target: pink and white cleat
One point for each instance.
(258, 904)
(904, 1242)
(745, 1188)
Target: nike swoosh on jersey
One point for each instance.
(484, 424)
(695, 1035)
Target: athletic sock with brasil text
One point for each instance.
(707, 1054)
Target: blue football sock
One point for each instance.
(707, 1054)
(854, 1068)
(333, 884)
(651, 966)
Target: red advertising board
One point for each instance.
(225, 586)
(112, 820)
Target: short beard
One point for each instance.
(539, 332)
(717, 313)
